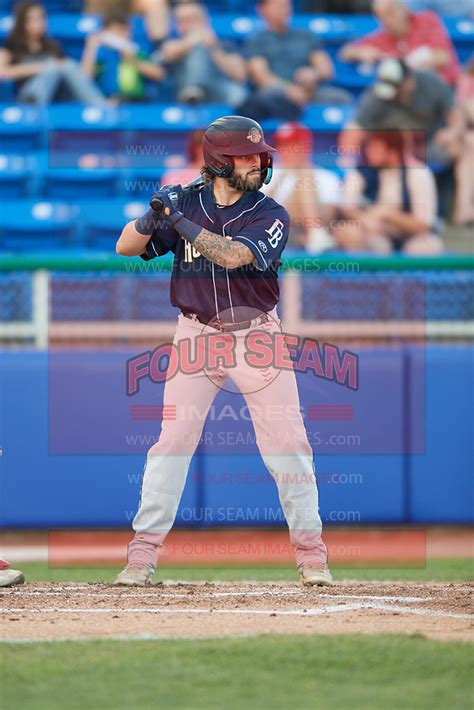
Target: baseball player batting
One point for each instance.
(227, 238)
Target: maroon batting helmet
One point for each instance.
(235, 135)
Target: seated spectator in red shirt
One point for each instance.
(419, 38)
(464, 171)
(447, 8)
(391, 202)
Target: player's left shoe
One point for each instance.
(134, 576)
(316, 576)
(8, 576)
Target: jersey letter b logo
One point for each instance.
(275, 232)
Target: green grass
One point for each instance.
(439, 570)
(275, 672)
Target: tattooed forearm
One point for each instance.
(222, 251)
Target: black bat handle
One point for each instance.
(156, 204)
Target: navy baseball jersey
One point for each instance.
(198, 285)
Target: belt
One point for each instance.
(230, 327)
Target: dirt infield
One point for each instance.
(63, 611)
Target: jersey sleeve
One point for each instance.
(254, 47)
(370, 111)
(160, 243)
(266, 235)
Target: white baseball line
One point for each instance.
(315, 611)
(160, 595)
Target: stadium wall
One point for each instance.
(420, 472)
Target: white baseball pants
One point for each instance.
(283, 445)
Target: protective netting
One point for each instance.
(108, 297)
(388, 296)
(15, 297)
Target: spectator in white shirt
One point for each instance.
(391, 202)
(310, 194)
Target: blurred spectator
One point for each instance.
(203, 67)
(287, 67)
(456, 8)
(406, 100)
(156, 13)
(464, 202)
(194, 162)
(390, 202)
(311, 195)
(38, 64)
(118, 64)
(419, 38)
(157, 19)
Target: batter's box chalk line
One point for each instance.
(164, 595)
(158, 594)
(315, 611)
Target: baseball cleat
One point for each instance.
(315, 576)
(9, 577)
(134, 576)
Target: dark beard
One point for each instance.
(244, 185)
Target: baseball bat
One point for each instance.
(157, 204)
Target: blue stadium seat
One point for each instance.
(327, 117)
(234, 18)
(104, 220)
(21, 128)
(354, 77)
(15, 174)
(7, 91)
(13, 184)
(81, 130)
(139, 183)
(170, 116)
(77, 184)
(73, 117)
(72, 30)
(461, 31)
(6, 20)
(37, 225)
(158, 134)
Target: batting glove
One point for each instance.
(170, 196)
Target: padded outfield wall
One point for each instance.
(73, 451)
